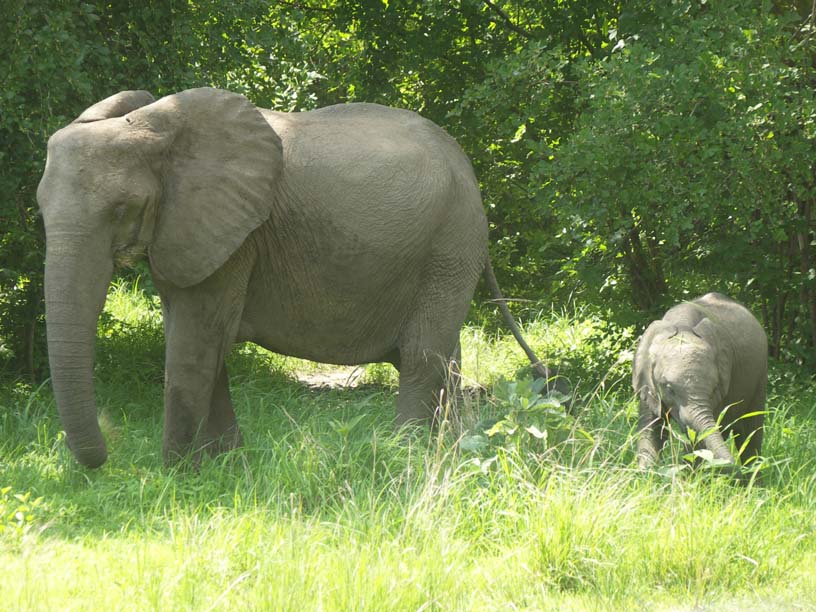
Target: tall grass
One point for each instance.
(327, 507)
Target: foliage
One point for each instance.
(587, 348)
(130, 336)
(629, 154)
(58, 58)
(527, 420)
(17, 512)
(691, 166)
(327, 507)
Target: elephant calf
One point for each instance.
(701, 358)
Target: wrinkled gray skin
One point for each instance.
(350, 234)
(701, 357)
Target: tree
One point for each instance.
(628, 154)
(691, 166)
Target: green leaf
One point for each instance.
(536, 432)
(474, 443)
(704, 454)
(520, 132)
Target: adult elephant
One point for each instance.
(350, 234)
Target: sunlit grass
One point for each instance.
(327, 507)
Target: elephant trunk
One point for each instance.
(701, 421)
(76, 282)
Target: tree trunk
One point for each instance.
(807, 287)
(645, 273)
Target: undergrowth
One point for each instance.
(517, 503)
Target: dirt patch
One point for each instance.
(341, 377)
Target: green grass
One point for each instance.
(328, 508)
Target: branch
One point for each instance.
(588, 45)
(509, 22)
(807, 24)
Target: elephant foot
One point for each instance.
(183, 458)
(225, 441)
(190, 455)
(645, 462)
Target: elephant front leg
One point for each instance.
(223, 432)
(198, 413)
(188, 393)
(651, 439)
(200, 325)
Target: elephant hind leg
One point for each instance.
(392, 357)
(429, 358)
(424, 386)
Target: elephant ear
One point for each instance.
(709, 331)
(116, 105)
(642, 365)
(220, 161)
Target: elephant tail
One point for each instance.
(541, 370)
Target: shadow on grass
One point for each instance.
(314, 448)
(306, 449)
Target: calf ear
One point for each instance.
(642, 365)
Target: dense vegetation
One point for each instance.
(328, 508)
(630, 154)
